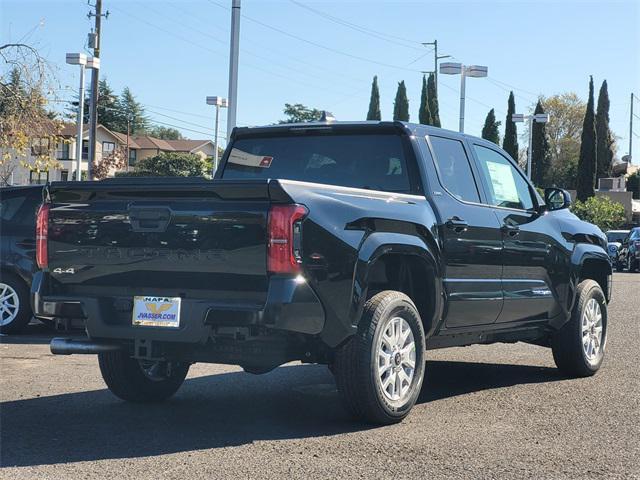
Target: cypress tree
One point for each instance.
(588, 160)
(374, 102)
(490, 129)
(541, 152)
(424, 114)
(401, 104)
(432, 95)
(510, 141)
(604, 137)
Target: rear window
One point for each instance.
(376, 162)
(616, 236)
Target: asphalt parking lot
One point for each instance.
(499, 411)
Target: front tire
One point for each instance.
(138, 381)
(379, 371)
(579, 346)
(15, 311)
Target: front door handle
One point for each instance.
(457, 224)
(511, 230)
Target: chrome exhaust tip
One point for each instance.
(69, 346)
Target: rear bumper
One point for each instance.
(291, 306)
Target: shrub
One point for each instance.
(171, 164)
(601, 211)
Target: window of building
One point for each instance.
(62, 151)
(40, 146)
(85, 149)
(38, 178)
(108, 148)
(64, 175)
(454, 169)
(132, 157)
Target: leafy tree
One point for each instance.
(601, 211)
(113, 162)
(588, 160)
(490, 129)
(604, 137)
(131, 109)
(374, 102)
(424, 114)
(432, 95)
(566, 113)
(401, 104)
(165, 133)
(171, 164)
(298, 113)
(633, 184)
(510, 141)
(541, 154)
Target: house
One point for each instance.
(107, 141)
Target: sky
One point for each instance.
(324, 54)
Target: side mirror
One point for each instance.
(557, 198)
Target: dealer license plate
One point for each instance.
(156, 311)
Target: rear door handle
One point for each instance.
(457, 224)
(511, 230)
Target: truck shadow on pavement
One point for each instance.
(215, 411)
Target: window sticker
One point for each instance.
(504, 185)
(249, 160)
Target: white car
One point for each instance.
(614, 240)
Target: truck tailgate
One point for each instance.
(197, 239)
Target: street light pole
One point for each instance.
(218, 102)
(531, 119)
(79, 59)
(233, 66)
(474, 71)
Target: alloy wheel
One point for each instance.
(396, 363)
(9, 304)
(592, 331)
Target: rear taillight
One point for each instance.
(285, 236)
(42, 234)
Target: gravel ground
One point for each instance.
(499, 411)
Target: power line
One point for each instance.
(318, 45)
(364, 30)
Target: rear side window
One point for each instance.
(376, 162)
(454, 169)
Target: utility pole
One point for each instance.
(94, 42)
(631, 130)
(233, 67)
(436, 58)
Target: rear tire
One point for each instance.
(15, 309)
(379, 371)
(140, 382)
(579, 346)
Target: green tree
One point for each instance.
(633, 184)
(601, 211)
(432, 95)
(374, 102)
(541, 154)
(604, 137)
(401, 104)
(424, 114)
(132, 110)
(165, 133)
(566, 113)
(510, 141)
(298, 113)
(490, 129)
(171, 164)
(587, 162)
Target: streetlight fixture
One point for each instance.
(218, 102)
(475, 71)
(79, 59)
(537, 118)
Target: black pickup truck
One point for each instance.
(356, 245)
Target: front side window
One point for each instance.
(375, 162)
(454, 169)
(506, 186)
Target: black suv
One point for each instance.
(358, 245)
(18, 207)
